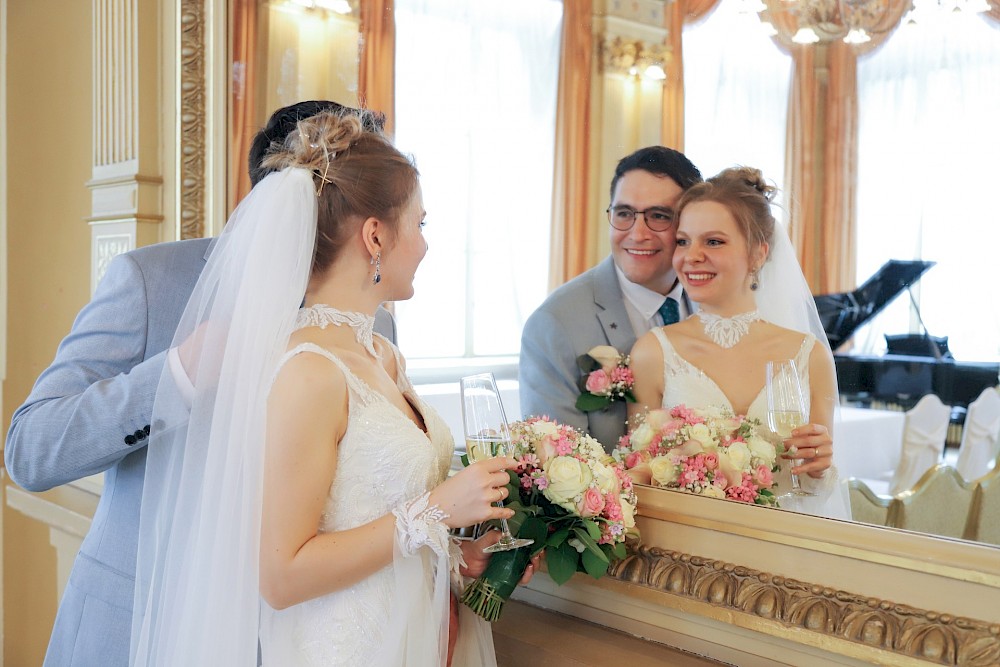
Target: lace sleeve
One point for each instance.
(419, 524)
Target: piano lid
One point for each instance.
(844, 313)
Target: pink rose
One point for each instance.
(591, 504)
(545, 450)
(763, 476)
(635, 458)
(711, 460)
(598, 383)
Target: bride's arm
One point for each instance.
(646, 362)
(307, 417)
(814, 441)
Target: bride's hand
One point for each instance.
(476, 561)
(467, 497)
(813, 445)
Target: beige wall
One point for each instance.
(48, 255)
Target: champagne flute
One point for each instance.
(487, 435)
(785, 408)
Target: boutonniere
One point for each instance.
(607, 378)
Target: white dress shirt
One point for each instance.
(643, 304)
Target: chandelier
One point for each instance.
(855, 21)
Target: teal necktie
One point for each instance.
(669, 311)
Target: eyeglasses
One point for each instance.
(658, 219)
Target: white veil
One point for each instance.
(197, 589)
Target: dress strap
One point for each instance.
(356, 384)
(402, 381)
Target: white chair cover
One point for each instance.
(923, 442)
(978, 451)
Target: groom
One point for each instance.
(623, 297)
(89, 412)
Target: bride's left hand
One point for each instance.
(476, 561)
(813, 445)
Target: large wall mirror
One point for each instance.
(283, 51)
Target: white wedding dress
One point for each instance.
(384, 461)
(684, 383)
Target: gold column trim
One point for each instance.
(858, 625)
(192, 119)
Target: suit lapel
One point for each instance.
(612, 314)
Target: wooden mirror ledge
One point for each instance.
(754, 586)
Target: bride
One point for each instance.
(753, 307)
(297, 498)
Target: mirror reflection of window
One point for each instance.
(736, 84)
(927, 155)
(475, 99)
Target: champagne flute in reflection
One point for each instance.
(785, 408)
(487, 435)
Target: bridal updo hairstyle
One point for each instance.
(358, 174)
(747, 196)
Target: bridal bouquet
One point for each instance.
(708, 452)
(608, 378)
(571, 498)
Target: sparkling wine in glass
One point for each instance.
(487, 435)
(785, 408)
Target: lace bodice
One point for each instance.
(683, 382)
(383, 460)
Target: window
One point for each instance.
(475, 104)
(736, 85)
(927, 173)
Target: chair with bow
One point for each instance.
(984, 519)
(979, 448)
(924, 434)
(866, 505)
(938, 504)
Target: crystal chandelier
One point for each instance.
(854, 21)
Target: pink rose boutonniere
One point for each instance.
(607, 378)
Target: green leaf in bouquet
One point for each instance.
(534, 529)
(561, 562)
(618, 551)
(592, 528)
(594, 566)
(557, 538)
(465, 460)
(629, 396)
(590, 543)
(591, 402)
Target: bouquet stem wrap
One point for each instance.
(487, 594)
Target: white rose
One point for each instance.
(628, 514)
(605, 355)
(739, 455)
(567, 479)
(604, 476)
(762, 450)
(663, 470)
(592, 449)
(544, 428)
(703, 434)
(712, 491)
(641, 437)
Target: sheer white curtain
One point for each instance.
(736, 85)
(927, 175)
(475, 104)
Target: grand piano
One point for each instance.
(914, 364)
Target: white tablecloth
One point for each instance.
(867, 443)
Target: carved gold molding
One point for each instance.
(930, 636)
(192, 119)
(627, 56)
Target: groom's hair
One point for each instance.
(284, 120)
(659, 161)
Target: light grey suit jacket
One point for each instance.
(585, 312)
(89, 412)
